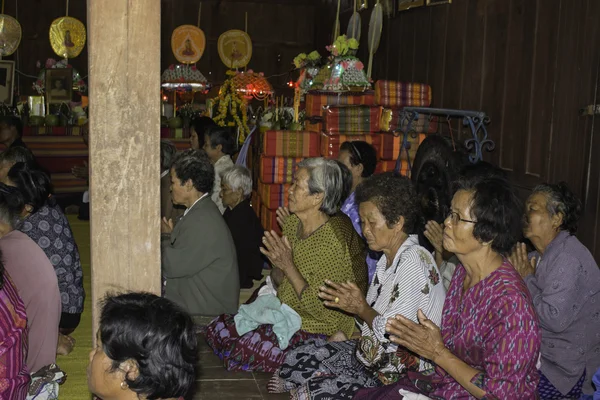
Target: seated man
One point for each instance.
(219, 144)
(198, 254)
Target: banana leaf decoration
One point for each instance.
(354, 25)
(375, 27)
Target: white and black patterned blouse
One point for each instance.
(50, 229)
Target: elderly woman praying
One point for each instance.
(489, 339)
(564, 281)
(318, 244)
(406, 280)
(245, 227)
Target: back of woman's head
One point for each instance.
(362, 153)
(17, 154)
(497, 211)
(11, 205)
(157, 336)
(394, 196)
(168, 152)
(561, 200)
(34, 185)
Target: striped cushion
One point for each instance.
(352, 119)
(316, 100)
(401, 94)
(268, 219)
(278, 169)
(290, 144)
(330, 142)
(273, 196)
(391, 144)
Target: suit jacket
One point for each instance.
(199, 262)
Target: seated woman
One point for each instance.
(219, 144)
(564, 281)
(13, 335)
(46, 224)
(168, 210)
(244, 225)
(198, 254)
(35, 279)
(489, 340)
(406, 281)
(13, 155)
(146, 349)
(201, 127)
(361, 159)
(318, 244)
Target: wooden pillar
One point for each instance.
(124, 89)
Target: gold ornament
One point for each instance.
(188, 43)
(67, 37)
(235, 49)
(10, 35)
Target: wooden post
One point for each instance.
(124, 88)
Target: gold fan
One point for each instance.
(10, 35)
(67, 37)
(188, 43)
(235, 48)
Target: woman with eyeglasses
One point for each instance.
(489, 341)
(405, 281)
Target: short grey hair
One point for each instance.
(238, 177)
(168, 151)
(325, 176)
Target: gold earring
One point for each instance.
(124, 385)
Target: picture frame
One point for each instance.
(403, 5)
(438, 2)
(7, 81)
(59, 85)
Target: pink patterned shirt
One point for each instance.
(493, 328)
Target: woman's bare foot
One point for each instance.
(65, 345)
(339, 336)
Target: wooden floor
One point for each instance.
(214, 382)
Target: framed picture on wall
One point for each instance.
(59, 85)
(7, 80)
(404, 5)
(437, 2)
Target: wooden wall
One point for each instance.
(280, 30)
(529, 64)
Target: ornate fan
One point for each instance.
(188, 43)
(354, 25)
(375, 27)
(10, 35)
(67, 37)
(235, 48)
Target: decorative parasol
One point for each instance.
(235, 48)
(252, 85)
(183, 78)
(67, 37)
(10, 35)
(188, 43)
(375, 27)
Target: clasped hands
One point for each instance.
(278, 250)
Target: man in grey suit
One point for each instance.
(198, 254)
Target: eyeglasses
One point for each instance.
(455, 217)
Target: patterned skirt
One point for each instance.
(257, 350)
(547, 391)
(321, 370)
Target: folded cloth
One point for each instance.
(268, 288)
(268, 310)
(402, 94)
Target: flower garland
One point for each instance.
(40, 84)
(232, 109)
